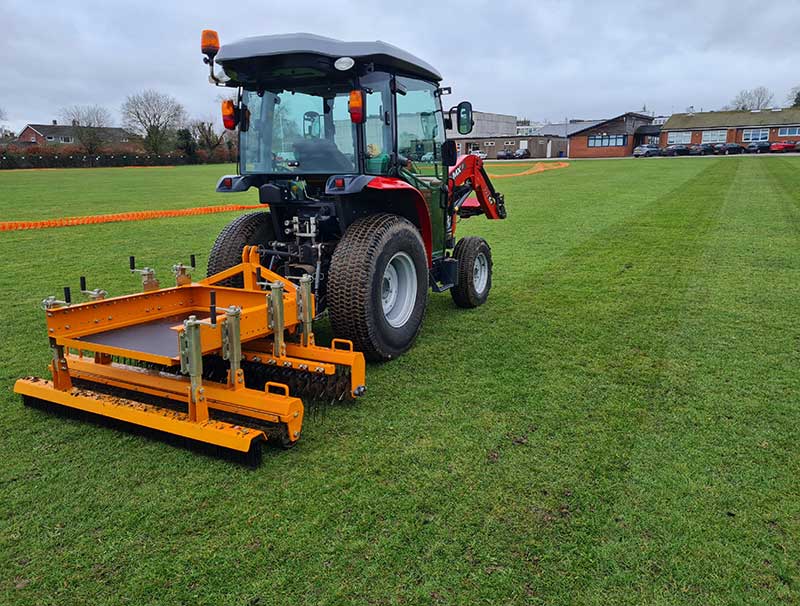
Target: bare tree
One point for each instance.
(206, 134)
(4, 132)
(793, 98)
(758, 98)
(88, 123)
(155, 116)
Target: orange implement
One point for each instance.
(213, 363)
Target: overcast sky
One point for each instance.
(539, 59)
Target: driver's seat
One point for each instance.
(321, 155)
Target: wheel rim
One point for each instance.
(480, 273)
(399, 290)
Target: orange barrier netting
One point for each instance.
(539, 167)
(130, 216)
(203, 210)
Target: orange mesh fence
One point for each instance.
(130, 216)
(539, 167)
(203, 210)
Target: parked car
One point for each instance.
(427, 157)
(675, 150)
(521, 154)
(728, 148)
(783, 146)
(480, 153)
(505, 154)
(646, 150)
(758, 147)
(701, 149)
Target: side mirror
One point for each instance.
(449, 153)
(464, 121)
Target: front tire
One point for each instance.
(247, 230)
(378, 286)
(474, 272)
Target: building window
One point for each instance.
(608, 140)
(755, 134)
(33, 139)
(789, 131)
(681, 137)
(715, 136)
(66, 139)
(508, 143)
(50, 138)
(488, 143)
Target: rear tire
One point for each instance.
(378, 286)
(247, 230)
(474, 272)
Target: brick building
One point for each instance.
(63, 134)
(610, 138)
(732, 126)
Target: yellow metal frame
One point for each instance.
(68, 325)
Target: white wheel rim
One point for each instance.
(399, 290)
(480, 273)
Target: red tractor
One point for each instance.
(345, 142)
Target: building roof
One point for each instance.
(587, 126)
(558, 129)
(648, 129)
(311, 44)
(65, 130)
(727, 119)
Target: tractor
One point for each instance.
(345, 143)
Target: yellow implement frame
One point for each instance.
(179, 326)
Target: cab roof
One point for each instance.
(282, 45)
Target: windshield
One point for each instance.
(297, 133)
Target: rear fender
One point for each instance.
(364, 194)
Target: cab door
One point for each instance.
(420, 134)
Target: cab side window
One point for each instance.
(420, 130)
(378, 126)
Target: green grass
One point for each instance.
(617, 425)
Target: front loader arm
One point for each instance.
(466, 177)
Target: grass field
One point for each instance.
(618, 425)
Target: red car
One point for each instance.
(783, 146)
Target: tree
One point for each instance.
(88, 123)
(186, 143)
(794, 97)
(758, 98)
(3, 115)
(155, 116)
(207, 136)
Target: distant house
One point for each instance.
(63, 134)
(610, 138)
(777, 124)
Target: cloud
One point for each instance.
(544, 60)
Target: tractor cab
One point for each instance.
(312, 107)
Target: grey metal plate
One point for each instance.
(154, 338)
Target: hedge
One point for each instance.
(46, 157)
